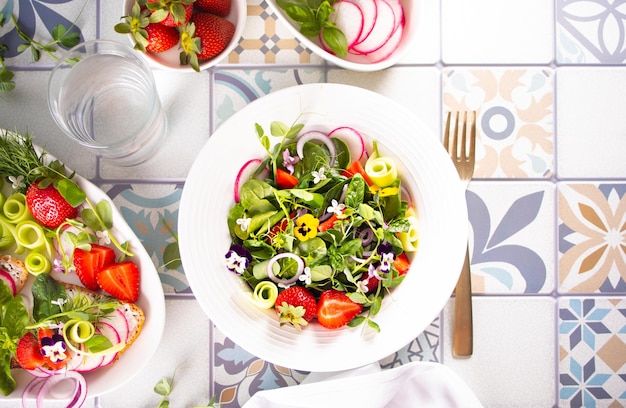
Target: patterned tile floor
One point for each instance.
(547, 209)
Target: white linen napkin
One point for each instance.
(417, 384)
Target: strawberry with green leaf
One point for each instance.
(204, 37)
(51, 195)
(148, 34)
(295, 306)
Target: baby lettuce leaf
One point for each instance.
(13, 320)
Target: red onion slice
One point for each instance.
(316, 136)
(285, 282)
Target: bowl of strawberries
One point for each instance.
(189, 35)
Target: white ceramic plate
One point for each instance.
(425, 169)
(151, 300)
(411, 15)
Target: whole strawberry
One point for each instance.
(161, 37)
(48, 206)
(296, 306)
(218, 7)
(205, 37)
(147, 34)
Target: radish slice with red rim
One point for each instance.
(6, 278)
(369, 10)
(389, 48)
(382, 31)
(352, 138)
(316, 136)
(245, 172)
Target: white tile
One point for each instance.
(426, 45)
(417, 89)
(591, 130)
(185, 351)
(513, 364)
(496, 31)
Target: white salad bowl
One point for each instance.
(363, 63)
(426, 171)
(170, 59)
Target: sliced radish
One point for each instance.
(109, 331)
(245, 172)
(398, 12)
(382, 31)
(348, 17)
(84, 364)
(352, 138)
(8, 279)
(316, 136)
(369, 10)
(390, 46)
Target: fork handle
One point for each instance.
(462, 340)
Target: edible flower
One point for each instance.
(238, 259)
(244, 223)
(103, 238)
(289, 161)
(54, 348)
(387, 256)
(306, 227)
(306, 276)
(17, 182)
(336, 208)
(319, 175)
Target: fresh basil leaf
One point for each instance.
(336, 40)
(355, 192)
(98, 343)
(299, 13)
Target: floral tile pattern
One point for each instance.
(592, 352)
(592, 238)
(515, 122)
(511, 251)
(590, 31)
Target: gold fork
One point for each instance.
(462, 153)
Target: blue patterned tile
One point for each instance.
(592, 340)
(235, 89)
(512, 252)
(147, 208)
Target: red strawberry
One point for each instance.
(402, 264)
(296, 306)
(171, 13)
(218, 7)
(28, 352)
(47, 205)
(120, 280)
(161, 37)
(206, 37)
(89, 263)
(335, 309)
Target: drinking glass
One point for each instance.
(102, 95)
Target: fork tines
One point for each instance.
(460, 131)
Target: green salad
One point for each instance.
(324, 212)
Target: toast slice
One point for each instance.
(12, 269)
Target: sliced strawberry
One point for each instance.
(48, 206)
(285, 180)
(89, 263)
(218, 7)
(402, 264)
(120, 280)
(28, 352)
(335, 309)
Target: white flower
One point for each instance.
(318, 175)
(335, 207)
(363, 285)
(306, 276)
(103, 237)
(244, 223)
(17, 182)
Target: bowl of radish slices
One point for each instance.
(359, 35)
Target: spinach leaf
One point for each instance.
(13, 320)
(355, 191)
(254, 190)
(45, 291)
